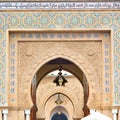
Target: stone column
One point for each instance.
(5, 113)
(114, 112)
(119, 114)
(27, 114)
(0, 114)
(92, 111)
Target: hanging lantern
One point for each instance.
(60, 80)
(58, 101)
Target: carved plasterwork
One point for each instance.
(51, 54)
(74, 93)
(85, 50)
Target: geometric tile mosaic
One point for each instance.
(51, 20)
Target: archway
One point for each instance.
(59, 116)
(83, 82)
(59, 113)
(51, 107)
(49, 55)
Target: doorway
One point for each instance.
(76, 81)
(33, 54)
(59, 116)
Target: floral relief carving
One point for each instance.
(28, 50)
(90, 52)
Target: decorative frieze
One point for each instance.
(58, 5)
(107, 67)
(57, 36)
(12, 71)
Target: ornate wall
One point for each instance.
(43, 20)
(29, 50)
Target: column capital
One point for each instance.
(27, 112)
(114, 111)
(5, 111)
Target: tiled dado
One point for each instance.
(59, 20)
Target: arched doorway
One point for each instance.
(50, 104)
(52, 65)
(33, 55)
(59, 113)
(59, 116)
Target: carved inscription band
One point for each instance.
(59, 5)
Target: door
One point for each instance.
(59, 116)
